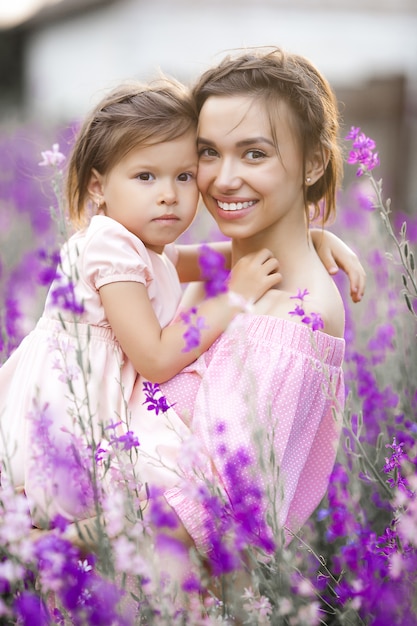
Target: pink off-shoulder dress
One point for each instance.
(265, 405)
(67, 382)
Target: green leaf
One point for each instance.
(360, 422)
(379, 442)
(408, 303)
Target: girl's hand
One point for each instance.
(254, 274)
(335, 254)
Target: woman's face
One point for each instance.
(248, 187)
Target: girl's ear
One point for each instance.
(95, 187)
(316, 164)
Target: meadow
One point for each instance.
(354, 563)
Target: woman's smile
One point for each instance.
(235, 206)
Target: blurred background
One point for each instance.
(57, 56)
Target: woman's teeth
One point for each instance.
(235, 206)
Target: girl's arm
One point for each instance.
(158, 354)
(335, 254)
(188, 267)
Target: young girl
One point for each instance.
(116, 290)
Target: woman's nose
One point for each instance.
(227, 175)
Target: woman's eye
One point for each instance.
(207, 152)
(254, 155)
(184, 177)
(145, 176)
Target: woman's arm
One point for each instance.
(158, 354)
(335, 254)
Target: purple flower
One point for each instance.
(128, 440)
(393, 466)
(48, 273)
(154, 403)
(59, 522)
(192, 584)
(300, 295)
(31, 610)
(161, 514)
(299, 311)
(362, 152)
(195, 325)
(63, 296)
(314, 320)
(61, 463)
(213, 271)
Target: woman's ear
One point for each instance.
(316, 164)
(95, 187)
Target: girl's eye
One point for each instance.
(184, 177)
(145, 176)
(255, 155)
(207, 152)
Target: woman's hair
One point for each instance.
(272, 76)
(131, 115)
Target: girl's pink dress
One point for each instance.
(265, 403)
(68, 382)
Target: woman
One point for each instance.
(265, 401)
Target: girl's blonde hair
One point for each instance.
(272, 75)
(131, 115)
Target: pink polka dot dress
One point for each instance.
(265, 403)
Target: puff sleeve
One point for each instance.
(113, 254)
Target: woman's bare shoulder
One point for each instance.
(322, 298)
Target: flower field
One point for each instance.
(354, 563)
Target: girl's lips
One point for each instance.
(166, 218)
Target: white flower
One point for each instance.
(11, 571)
(285, 606)
(305, 588)
(85, 566)
(309, 615)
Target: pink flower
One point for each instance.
(52, 158)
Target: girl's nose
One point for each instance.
(168, 194)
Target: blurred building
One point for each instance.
(58, 58)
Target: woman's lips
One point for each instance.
(234, 210)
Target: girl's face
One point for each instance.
(152, 191)
(246, 185)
